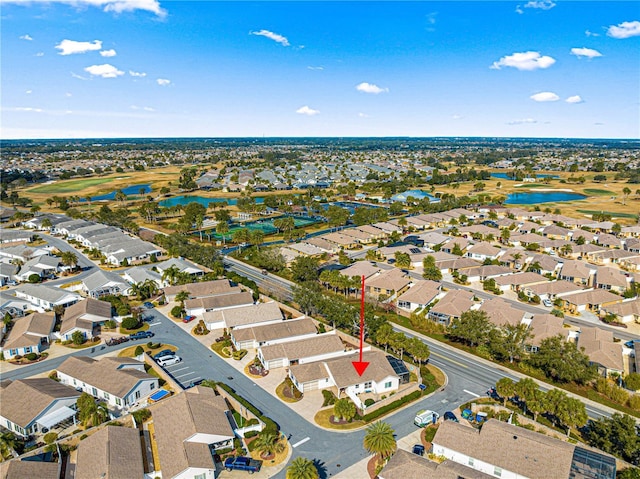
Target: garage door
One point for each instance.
(310, 386)
(275, 363)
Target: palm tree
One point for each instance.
(267, 443)
(380, 439)
(222, 228)
(626, 191)
(170, 274)
(8, 444)
(302, 468)
(46, 223)
(69, 259)
(181, 297)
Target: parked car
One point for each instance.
(168, 360)
(118, 340)
(425, 417)
(242, 464)
(547, 303)
(188, 319)
(141, 335)
(164, 352)
(148, 305)
(265, 272)
(418, 449)
(449, 416)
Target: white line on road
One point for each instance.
(473, 394)
(299, 443)
(183, 375)
(155, 324)
(176, 370)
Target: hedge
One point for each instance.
(270, 424)
(391, 406)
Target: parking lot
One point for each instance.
(183, 373)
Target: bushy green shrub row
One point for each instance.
(391, 406)
(270, 425)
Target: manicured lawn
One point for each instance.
(597, 191)
(612, 213)
(70, 186)
(144, 327)
(322, 419)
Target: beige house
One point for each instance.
(406, 465)
(113, 452)
(598, 344)
(30, 334)
(254, 337)
(301, 351)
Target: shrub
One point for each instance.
(237, 444)
(329, 398)
(130, 323)
(238, 355)
(270, 425)
(176, 311)
(250, 434)
(110, 324)
(369, 402)
(634, 402)
(78, 338)
(50, 437)
(139, 350)
(31, 356)
(84, 436)
(392, 406)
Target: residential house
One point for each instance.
(49, 403)
(531, 454)
(120, 382)
(517, 281)
(608, 240)
(450, 245)
(590, 300)
(104, 283)
(361, 237)
(189, 428)
(379, 377)
(43, 266)
(16, 236)
(24, 253)
(323, 244)
(389, 283)
(544, 326)
(419, 295)
(138, 275)
(598, 344)
(19, 469)
(199, 290)
(577, 272)
(341, 240)
(182, 265)
(243, 316)
(557, 232)
(306, 249)
(485, 272)
(8, 273)
(232, 299)
(407, 465)
(483, 251)
(451, 306)
(360, 268)
(551, 289)
(373, 232)
(611, 256)
(501, 313)
(612, 279)
(30, 334)
(44, 297)
(587, 236)
(84, 317)
(113, 452)
(543, 264)
(301, 351)
(626, 311)
(289, 330)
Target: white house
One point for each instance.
(244, 316)
(290, 330)
(316, 348)
(30, 334)
(120, 382)
(45, 297)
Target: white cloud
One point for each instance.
(70, 47)
(305, 110)
(457, 117)
(75, 75)
(371, 88)
(575, 99)
(116, 6)
(585, 52)
(519, 9)
(282, 40)
(27, 108)
(26, 37)
(591, 34)
(363, 115)
(145, 108)
(40, 54)
(68, 95)
(137, 74)
(524, 61)
(315, 68)
(540, 4)
(28, 92)
(163, 82)
(108, 53)
(524, 121)
(624, 30)
(545, 96)
(104, 71)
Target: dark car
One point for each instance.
(141, 335)
(164, 352)
(449, 416)
(418, 449)
(148, 305)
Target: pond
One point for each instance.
(265, 225)
(535, 197)
(185, 200)
(129, 190)
(505, 176)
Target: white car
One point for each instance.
(169, 360)
(547, 303)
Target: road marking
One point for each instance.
(155, 324)
(450, 360)
(473, 394)
(301, 442)
(183, 375)
(176, 370)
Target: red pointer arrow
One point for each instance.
(361, 365)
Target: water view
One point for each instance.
(535, 197)
(129, 190)
(185, 200)
(505, 176)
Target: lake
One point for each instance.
(129, 190)
(535, 197)
(185, 200)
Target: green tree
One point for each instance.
(626, 191)
(472, 327)
(302, 468)
(379, 439)
(304, 268)
(513, 340)
(77, 337)
(403, 260)
(182, 296)
(344, 409)
(267, 443)
(8, 444)
(222, 228)
(526, 390)
(562, 361)
(430, 270)
(618, 435)
(632, 381)
(384, 335)
(337, 216)
(69, 259)
(257, 238)
(90, 412)
(418, 350)
(572, 413)
(506, 388)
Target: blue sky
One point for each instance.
(154, 68)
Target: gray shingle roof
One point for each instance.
(111, 453)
